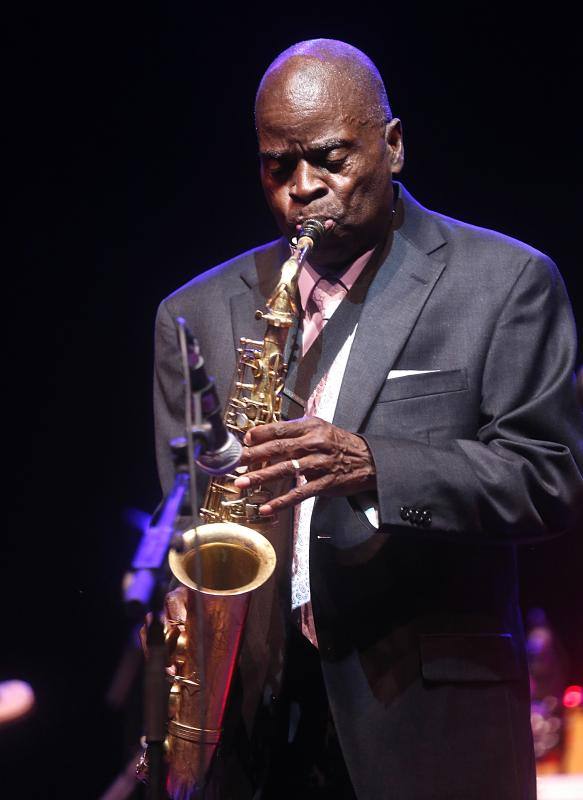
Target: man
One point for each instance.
(442, 434)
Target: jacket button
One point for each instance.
(416, 516)
(426, 518)
(405, 513)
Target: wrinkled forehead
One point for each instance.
(309, 87)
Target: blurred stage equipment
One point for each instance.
(556, 711)
(16, 701)
(572, 761)
(560, 787)
(547, 668)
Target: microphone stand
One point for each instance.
(147, 584)
(144, 594)
(150, 584)
(156, 685)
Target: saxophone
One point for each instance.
(224, 560)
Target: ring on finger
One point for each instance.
(296, 467)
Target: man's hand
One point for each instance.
(333, 461)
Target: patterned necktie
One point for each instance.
(325, 298)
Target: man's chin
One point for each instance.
(333, 254)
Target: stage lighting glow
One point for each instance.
(573, 696)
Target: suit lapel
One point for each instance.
(393, 304)
(259, 275)
(243, 308)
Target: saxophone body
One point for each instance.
(229, 554)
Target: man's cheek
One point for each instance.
(279, 203)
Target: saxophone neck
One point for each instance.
(281, 305)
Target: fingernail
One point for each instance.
(242, 483)
(265, 511)
(247, 438)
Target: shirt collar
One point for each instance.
(309, 277)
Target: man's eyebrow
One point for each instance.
(277, 154)
(328, 144)
(317, 147)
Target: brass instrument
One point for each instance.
(229, 552)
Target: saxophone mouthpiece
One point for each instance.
(314, 229)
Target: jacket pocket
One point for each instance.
(429, 383)
(453, 658)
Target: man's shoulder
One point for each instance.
(480, 254)
(489, 257)
(482, 239)
(226, 278)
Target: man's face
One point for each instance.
(322, 157)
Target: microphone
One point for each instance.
(223, 450)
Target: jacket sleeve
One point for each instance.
(518, 478)
(168, 393)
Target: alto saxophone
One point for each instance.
(229, 553)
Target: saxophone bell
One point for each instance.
(233, 561)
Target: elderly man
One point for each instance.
(431, 427)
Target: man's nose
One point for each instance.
(306, 185)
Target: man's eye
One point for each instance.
(334, 164)
(334, 160)
(277, 167)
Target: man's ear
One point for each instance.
(394, 140)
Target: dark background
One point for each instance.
(131, 167)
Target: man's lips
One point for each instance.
(328, 222)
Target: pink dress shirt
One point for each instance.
(320, 299)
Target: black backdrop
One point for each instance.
(131, 165)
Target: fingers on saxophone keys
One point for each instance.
(274, 430)
(277, 450)
(274, 472)
(293, 497)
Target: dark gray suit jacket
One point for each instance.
(419, 629)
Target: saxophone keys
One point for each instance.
(242, 420)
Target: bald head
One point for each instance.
(328, 146)
(308, 69)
